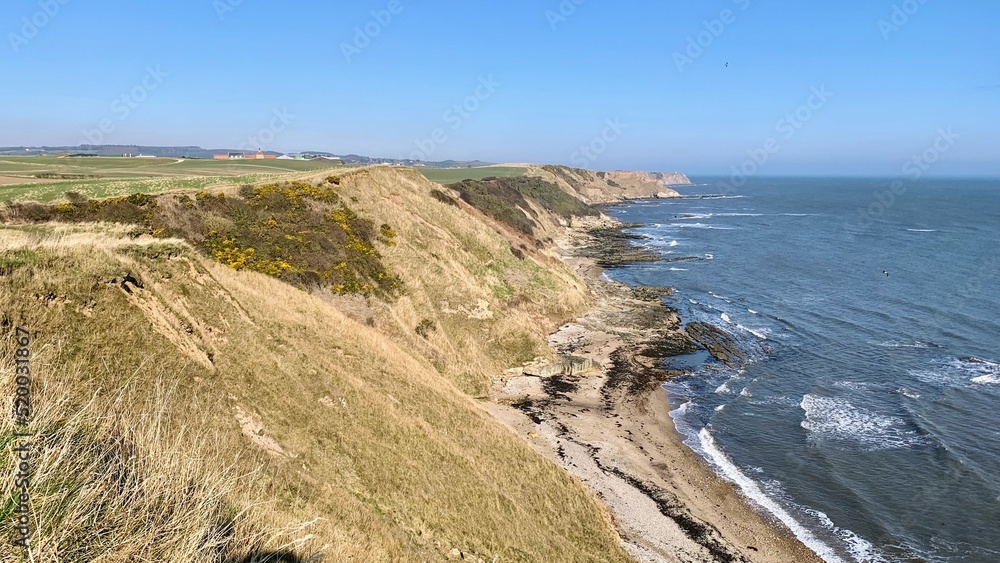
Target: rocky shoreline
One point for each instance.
(601, 413)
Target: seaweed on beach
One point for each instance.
(701, 533)
(558, 386)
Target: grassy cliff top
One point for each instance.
(206, 411)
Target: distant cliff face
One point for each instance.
(615, 186)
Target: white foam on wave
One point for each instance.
(979, 372)
(855, 385)
(728, 470)
(988, 372)
(709, 257)
(922, 230)
(673, 244)
(912, 344)
(841, 420)
(752, 312)
(678, 269)
(726, 318)
(700, 226)
(860, 548)
(760, 333)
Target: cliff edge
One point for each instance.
(599, 187)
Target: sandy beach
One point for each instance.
(603, 416)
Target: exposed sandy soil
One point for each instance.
(668, 503)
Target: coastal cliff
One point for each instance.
(600, 187)
(335, 343)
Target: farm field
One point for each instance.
(452, 175)
(46, 178)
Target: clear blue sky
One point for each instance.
(232, 64)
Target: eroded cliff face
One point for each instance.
(615, 186)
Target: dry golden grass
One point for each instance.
(382, 455)
(492, 309)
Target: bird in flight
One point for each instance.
(886, 273)
(727, 65)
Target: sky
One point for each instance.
(853, 87)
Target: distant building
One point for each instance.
(332, 159)
(243, 156)
(285, 157)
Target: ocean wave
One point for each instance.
(700, 226)
(752, 490)
(953, 372)
(839, 419)
(673, 244)
(711, 215)
(678, 269)
(911, 344)
(760, 333)
(986, 373)
(923, 230)
(855, 385)
(860, 549)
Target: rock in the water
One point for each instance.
(719, 344)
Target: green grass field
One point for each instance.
(46, 178)
(452, 175)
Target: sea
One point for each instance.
(867, 419)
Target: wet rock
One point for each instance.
(719, 344)
(647, 293)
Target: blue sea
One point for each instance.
(868, 417)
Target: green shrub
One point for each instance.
(506, 200)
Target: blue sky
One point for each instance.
(299, 76)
